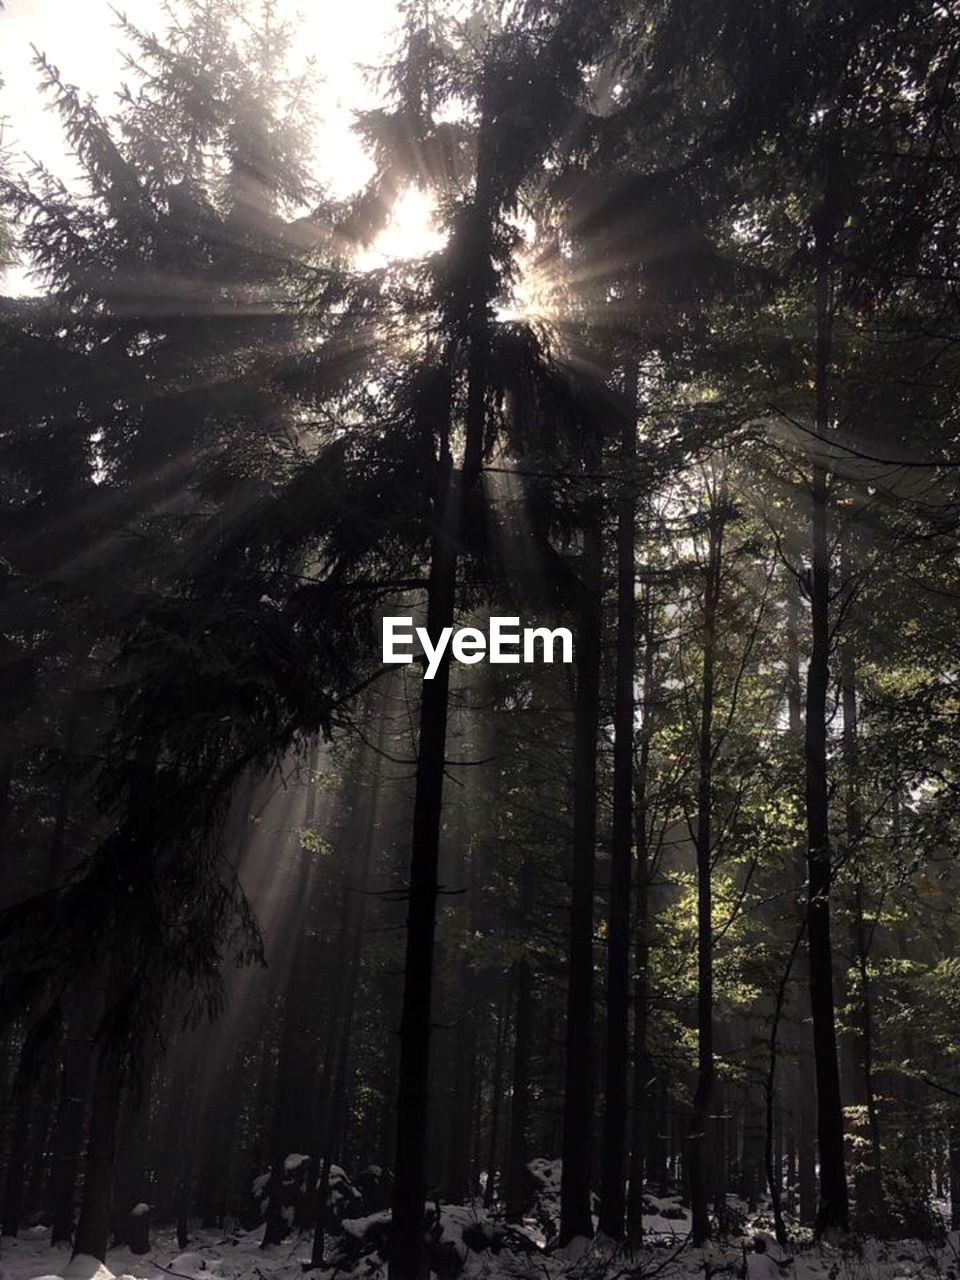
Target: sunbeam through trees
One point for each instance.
(479, 570)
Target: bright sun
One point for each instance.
(411, 231)
(82, 40)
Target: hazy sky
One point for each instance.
(79, 37)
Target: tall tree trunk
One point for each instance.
(804, 1091)
(130, 1179)
(615, 1119)
(458, 520)
(40, 1146)
(701, 1127)
(642, 1066)
(180, 1109)
(93, 1228)
(459, 1181)
(341, 1028)
(518, 1189)
(212, 1156)
(68, 1128)
(641, 1109)
(575, 1213)
(458, 1174)
(77, 1051)
(790, 1199)
(496, 1092)
(833, 1209)
(755, 1137)
(869, 1172)
(773, 1169)
(296, 1062)
(407, 1250)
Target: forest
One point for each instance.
(641, 962)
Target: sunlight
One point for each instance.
(83, 41)
(533, 297)
(411, 232)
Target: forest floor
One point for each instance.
(216, 1255)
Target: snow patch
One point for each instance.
(85, 1267)
(189, 1264)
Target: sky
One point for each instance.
(80, 38)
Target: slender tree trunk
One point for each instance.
(518, 1197)
(355, 910)
(867, 1027)
(211, 1159)
(130, 1179)
(476, 1127)
(575, 1213)
(93, 1228)
(773, 1171)
(178, 1118)
(804, 1092)
(335, 1122)
(719, 1166)
(407, 1249)
(68, 1128)
(615, 1119)
(806, 1152)
(641, 1109)
(496, 1090)
(334, 1018)
(40, 1146)
(458, 522)
(701, 1122)
(642, 1066)
(184, 1178)
(833, 1210)
(869, 1173)
(459, 1179)
(752, 1138)
(790, 1200)
(296, 1062)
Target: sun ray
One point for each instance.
(411, 231)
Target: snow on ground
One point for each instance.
(666, 1218)
(484, 1248)
(212, 1255)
